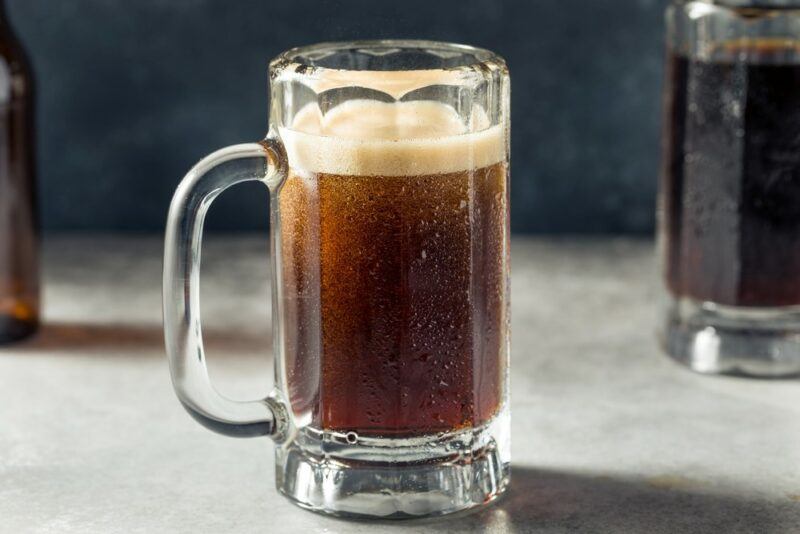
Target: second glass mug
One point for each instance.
(387, 166)
(729, 217)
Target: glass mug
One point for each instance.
(730, 190)
(387, 167)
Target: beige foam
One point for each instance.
(369, 138)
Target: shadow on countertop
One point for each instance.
(541, 500)
(55, 337)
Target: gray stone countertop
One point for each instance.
(608, 434)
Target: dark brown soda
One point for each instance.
(394, 294)
(731, 175)
(19, 236)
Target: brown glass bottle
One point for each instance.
(19, 233)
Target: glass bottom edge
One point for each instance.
(710, 339)
(348, 486)
(13, 329)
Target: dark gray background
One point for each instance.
(133, 92)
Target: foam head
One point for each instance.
(371, 138)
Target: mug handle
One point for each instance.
(264, 162)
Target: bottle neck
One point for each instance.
(8, 37)
(5, 25)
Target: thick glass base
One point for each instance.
(345, 475)
(714, 339)
(15, 329)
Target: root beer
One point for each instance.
(731, 176)
(394, 252)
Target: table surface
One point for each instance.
(608, 434)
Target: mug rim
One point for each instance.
(744, 7)
(297, 59)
